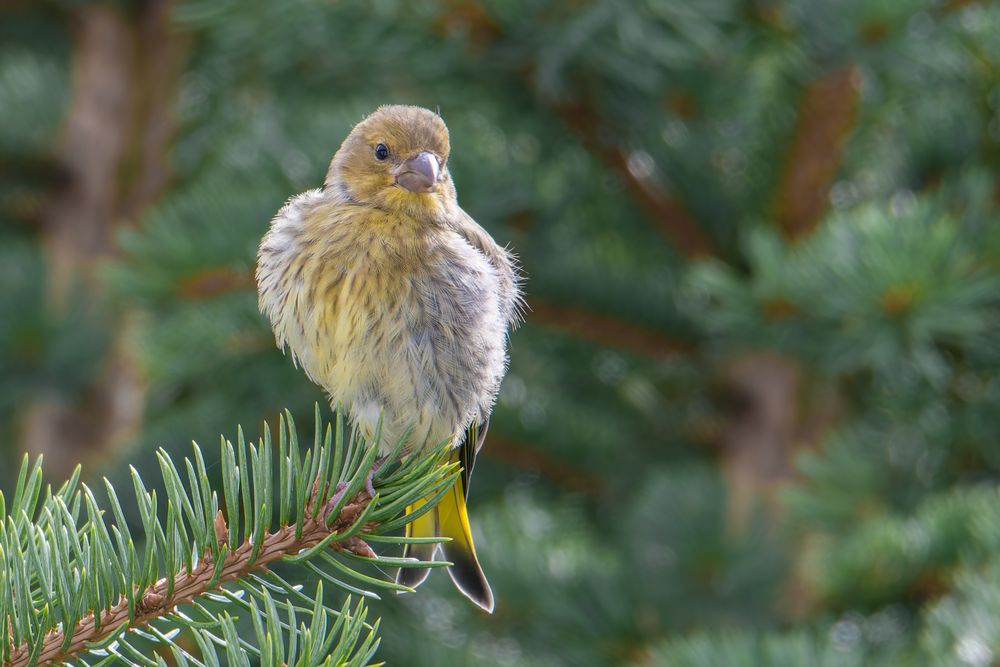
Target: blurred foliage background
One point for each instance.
(753, 416)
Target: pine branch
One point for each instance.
(69, 567)
(158, 600)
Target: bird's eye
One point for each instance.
(381, 152)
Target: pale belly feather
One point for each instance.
(424, 347)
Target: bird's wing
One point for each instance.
(475, 436)
(502, 260)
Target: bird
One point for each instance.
(400, 306)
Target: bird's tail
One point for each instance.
(448, 519)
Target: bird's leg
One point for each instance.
(369, 481)
(338, 491)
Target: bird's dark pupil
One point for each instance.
(381, 152)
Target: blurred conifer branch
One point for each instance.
(606, 330)
(68, 562)
(581, 116)
(826, 114)
(669, 215)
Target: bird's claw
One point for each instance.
(370, 480)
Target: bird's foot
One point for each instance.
(370, 480)
(338, 492)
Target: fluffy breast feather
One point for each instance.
(387, 315)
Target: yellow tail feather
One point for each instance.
(448, 519)
(423, 526)
(453, 522)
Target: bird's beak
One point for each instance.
(419, 173)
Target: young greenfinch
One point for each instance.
(398, 304)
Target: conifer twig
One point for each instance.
(155, 601)
(76, 585)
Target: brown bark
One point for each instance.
(154, 602)
(145, 169)
(775, 413)
(759, 436)
(773, 422)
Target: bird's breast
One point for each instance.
(417, 334)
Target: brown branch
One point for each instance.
(526, 457)
(214, 281)
(759, 436)
(955, 5)
(76, 231)
(670, 217)
(154, 602)
(468, 17)
(775, 410)
(826, 115)
(605, 330)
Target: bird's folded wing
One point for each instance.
(502, 260)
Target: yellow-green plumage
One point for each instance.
(397, 303)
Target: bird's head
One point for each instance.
(395, 159)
